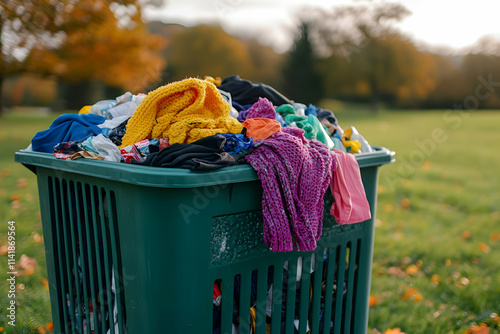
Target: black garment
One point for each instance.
(70, 147)
(116, 134)
(248, 92)
(204, 154)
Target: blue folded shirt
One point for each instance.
(65, 128)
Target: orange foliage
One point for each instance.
(194, 51)
(394, 331)
(49, 326)
(373, 301)
(481, 329)
(91, 40)
(483, 247)
(412, 270)
(413, 294)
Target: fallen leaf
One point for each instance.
(49, 326)
(45, 283)
(481, 329)
(412, 270)
(413, 294)
(396, 271)
(4, 250)
(394, 331)
(28, 264)
(495, 236)
(37, 238)
(21, 183)
(408, 293)
(405, 203)
(484, 247)
(436, 279)
(463, 281)
(426, 165)
(418, 297)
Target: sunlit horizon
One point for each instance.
(449, 26)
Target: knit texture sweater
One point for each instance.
(263, 108)
(182, 111)
(295, 173)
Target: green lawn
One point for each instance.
(438, 221)
(19, 203)
(437, 241)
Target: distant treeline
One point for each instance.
(372, 66)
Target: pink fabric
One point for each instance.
(351, 205)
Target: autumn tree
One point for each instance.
(266, 64)
(340, 79)
(481, 70)
(395, 70)
(79, 40)
(450, 86)
(207, 50)
(382, 62)
(302, 82)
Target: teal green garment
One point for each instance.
(337, 143)
(285, 110)
(312, 127)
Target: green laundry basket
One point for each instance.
(137, 249)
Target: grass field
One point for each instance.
(19, 203)
(437, 241)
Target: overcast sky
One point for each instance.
(452, 23)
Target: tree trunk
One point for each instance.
(2, 111)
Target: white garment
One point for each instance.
(355, 135)
(227, 97)
(300, 109)
(113, 123)
(106, 148)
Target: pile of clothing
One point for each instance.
(298, 151)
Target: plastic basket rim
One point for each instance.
(167, 177)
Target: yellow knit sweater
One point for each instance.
(182, 111)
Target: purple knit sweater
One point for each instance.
(295, 173)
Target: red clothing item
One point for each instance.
(351, 205)
(261, 128)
